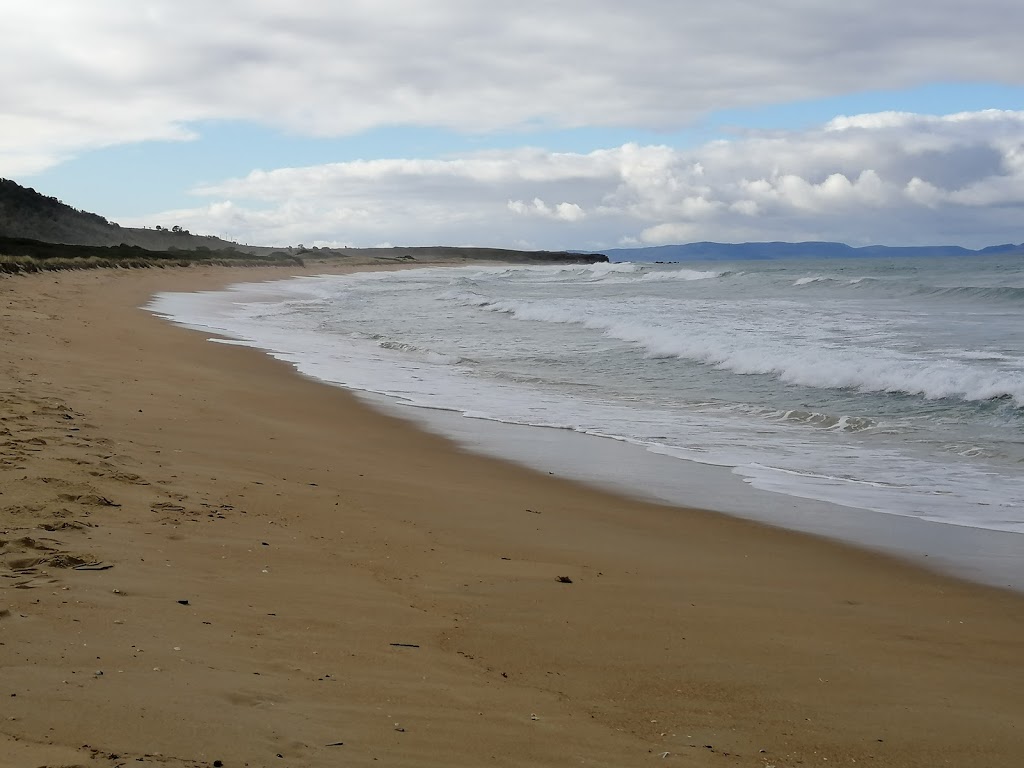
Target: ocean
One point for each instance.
(871, 387)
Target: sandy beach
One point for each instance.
(206, 557)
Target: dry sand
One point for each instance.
(272, 574)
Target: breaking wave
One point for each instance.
(683, 274)
(998, 293)
(822, 366)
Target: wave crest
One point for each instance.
(683, 274)
(822, 367)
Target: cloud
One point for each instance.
(562, 211)
(863, 179)
(76, 76)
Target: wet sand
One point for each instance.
(208, 557)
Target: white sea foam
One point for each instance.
(416, 352)
(620, 267)
(870, 398)
(682, 274)
(820, 366)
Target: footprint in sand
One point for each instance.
(57, 481)
(88, 499)
(166, 506)
(36, 582)
(128, 477)
(66, 525)
(25, 557)
(17, 510)
(21, 556)
(74, 460)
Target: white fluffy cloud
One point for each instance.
(77, 75)
(563, 211)
(891, 178)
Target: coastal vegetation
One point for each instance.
(41, 233)
(28, 214)
(21, 255)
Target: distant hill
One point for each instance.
(809, 250)
(27, 214)
(30, 220)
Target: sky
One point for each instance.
(579, 124)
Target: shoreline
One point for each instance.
(979, 555)
(617, 465)
(317, 541)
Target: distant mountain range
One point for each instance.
(809, 250)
